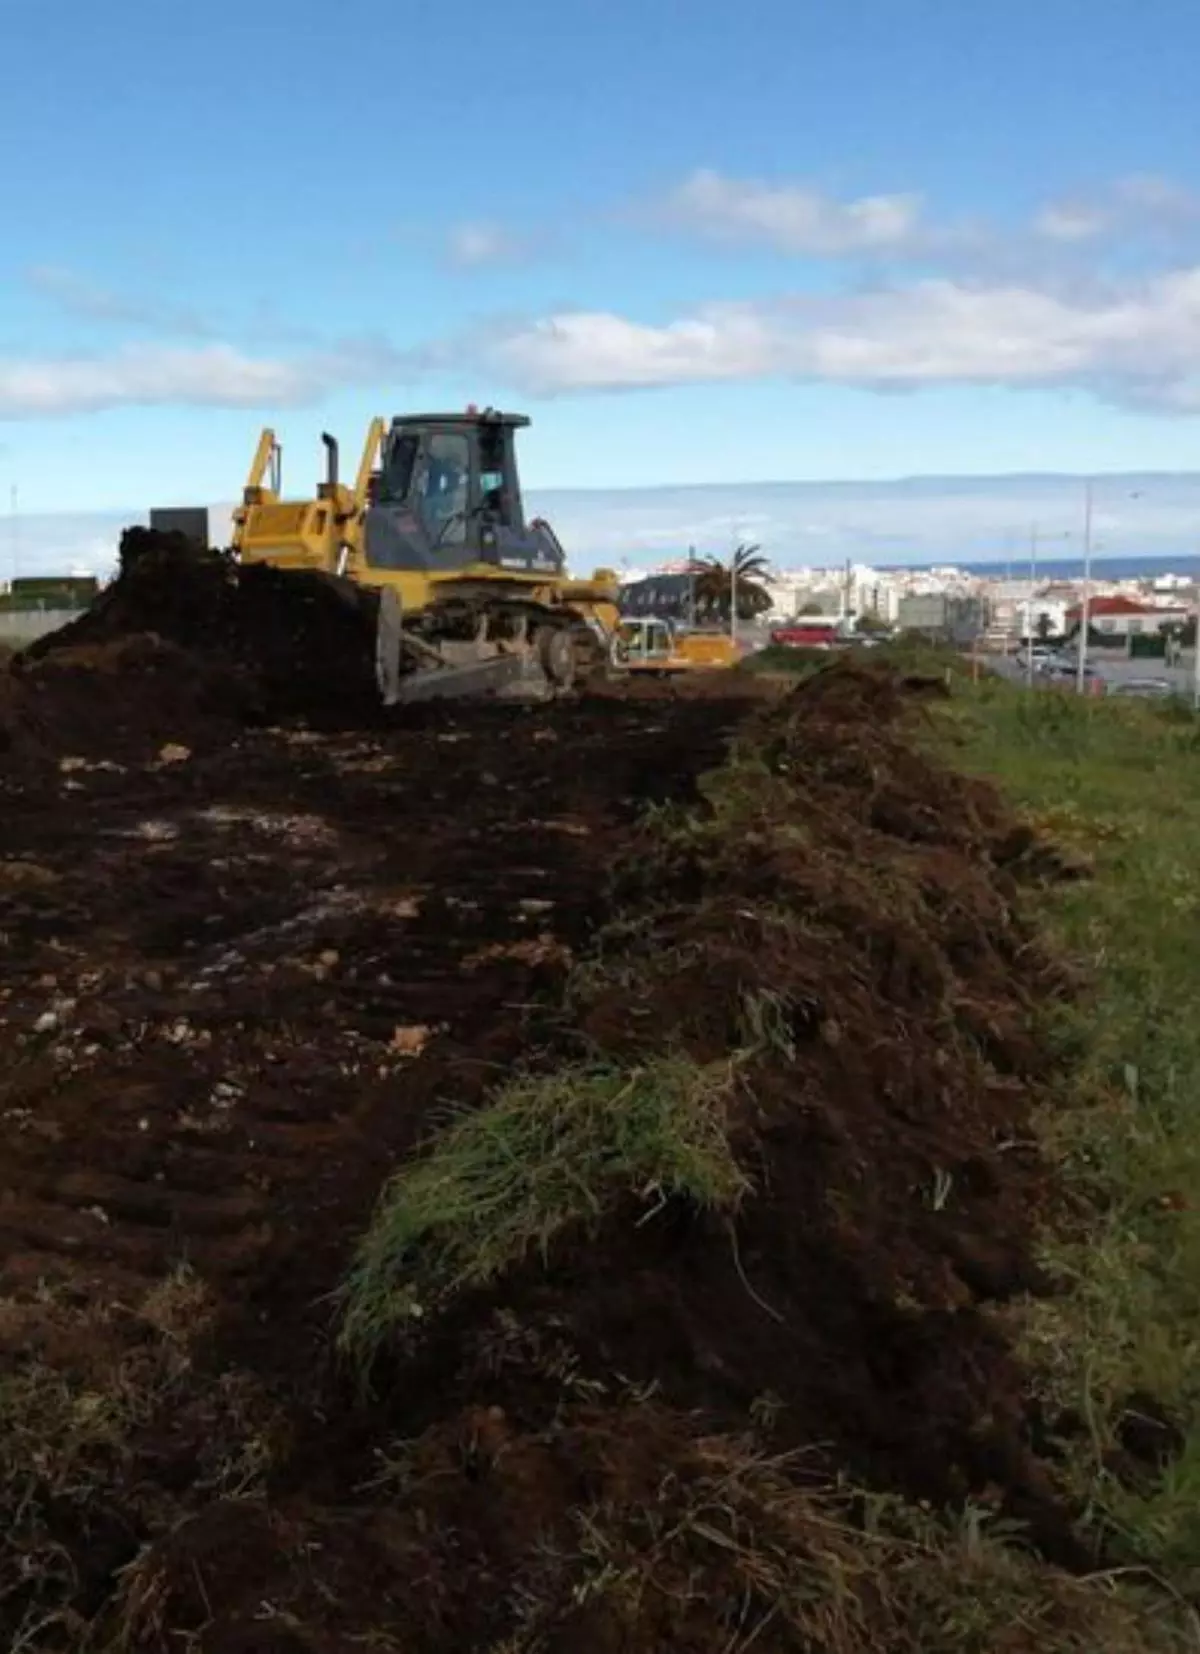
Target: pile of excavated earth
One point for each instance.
(182, 642)
(501, 1179)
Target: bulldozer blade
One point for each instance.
(503, 676)
(388, 642)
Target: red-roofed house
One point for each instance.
(1125, 616)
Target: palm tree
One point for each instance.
(713, 582)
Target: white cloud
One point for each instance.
(794, 218)
(207, 376)
(1137, 342)
(1156, 198)
(214, 376)
(92, 302)
(797, 218)
(477, 244)
(1070, 221)
(1139, 207)
(1028, 310)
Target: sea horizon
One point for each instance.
(1147, 567)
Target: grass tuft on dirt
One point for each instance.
(734, 1536)
(706, 1543)
(90, 1400)
(549, 1152)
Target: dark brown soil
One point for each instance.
(183, 639)
(859, 905)
(238, 984)
(243, 978)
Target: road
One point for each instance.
(1181, 678)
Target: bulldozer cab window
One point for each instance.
(444, 488)
(492, 494)
(398, 468)
(493, 484)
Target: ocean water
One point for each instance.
(1071, 568)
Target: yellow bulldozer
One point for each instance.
(430, 542)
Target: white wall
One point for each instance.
(23, 626)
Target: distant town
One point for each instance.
(955, 604)
(967, 606)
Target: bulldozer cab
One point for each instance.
(447, 495)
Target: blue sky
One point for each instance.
(696, 242)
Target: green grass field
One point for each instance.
(1118, 784)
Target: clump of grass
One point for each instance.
(910, 652)
(733, 1550)
(785, 660)
(904, 654)
(549, 1152)
(1120, 781)
(66, 1433)
(73, 1421)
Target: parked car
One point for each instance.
(798, 635)
(1147, 688)
(1060, 666)
(1064, 674)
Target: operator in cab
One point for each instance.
(444, 499)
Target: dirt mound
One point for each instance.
(182, 637)
(836, 931)
(121, 698)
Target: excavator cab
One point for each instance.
(643, 644)
(654, 648)
(447, 497)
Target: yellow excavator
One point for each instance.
(653, 648)
(430, 542)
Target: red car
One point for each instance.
(804, 637)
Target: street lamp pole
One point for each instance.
(14, 523)
(1033, 551)
(1085, 608)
